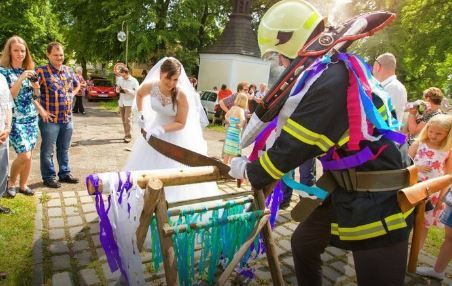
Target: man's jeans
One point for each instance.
(51, 134)
(307, 177)
(3, 167)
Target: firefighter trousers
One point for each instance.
(379, 266)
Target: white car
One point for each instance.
(209, 102)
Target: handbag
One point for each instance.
(447, 199)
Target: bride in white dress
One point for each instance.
(170, 109)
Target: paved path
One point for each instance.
(67, 250)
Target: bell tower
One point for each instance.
(235, 56)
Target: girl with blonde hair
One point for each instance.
(237, 119)
(431, 153)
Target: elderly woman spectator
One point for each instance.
(417, 117)
(17, 67)
(78, 106)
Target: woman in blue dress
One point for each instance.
(16, 64)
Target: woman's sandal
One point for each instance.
(27, 191)
(11, 192)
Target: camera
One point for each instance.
(120, 89)
(420, 106)
(34, 78)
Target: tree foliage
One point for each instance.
(419, 37)
(34, 21)
(427, 45)
(156, 28)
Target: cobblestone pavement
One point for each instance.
(72, 254)
(67, 250)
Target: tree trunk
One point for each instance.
(85, 71)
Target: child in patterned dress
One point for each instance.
(431, 154)
(445, 251)
(236, 118)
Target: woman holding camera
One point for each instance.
(417, 118)
(17, 67)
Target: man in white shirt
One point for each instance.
(127, 87)
(6, 104)
(384, 71)
(262, 91)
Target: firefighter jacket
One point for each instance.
(361, 220)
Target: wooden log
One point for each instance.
(211, 206)
(176, 177)
(171, 177)
(272, 256)
(268, 190)
(166, 242)
(168, 230)
(242, 251)
(415, 240)
(92, 190)
(151, 198)
(210, 198)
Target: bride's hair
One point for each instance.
(171, 67)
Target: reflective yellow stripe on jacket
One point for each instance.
(269, 167)
(361, 232)
(371, 230)
(397, 220)
(344, 138)
(307, 136)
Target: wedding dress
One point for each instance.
(144, 157)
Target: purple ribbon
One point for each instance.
(361, 157)
(273, 201)
(394, 136)
(348, 162)
(106, 230)
(126, 186)
(261, 139)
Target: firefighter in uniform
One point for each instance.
(367, 219)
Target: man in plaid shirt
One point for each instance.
(58, 86)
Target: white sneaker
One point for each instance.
(429, 272)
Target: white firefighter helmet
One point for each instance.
(286, 27)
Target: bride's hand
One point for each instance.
(141, 122)
(156, 131)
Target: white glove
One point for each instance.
(238, 167)
(141, 122)
(156, 131)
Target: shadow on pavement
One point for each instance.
(91, 142)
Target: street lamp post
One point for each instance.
(124, 37)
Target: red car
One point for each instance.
(100, 88)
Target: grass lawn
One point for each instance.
(111, 105)
(216, 127)
(434, 240)
(16, 235)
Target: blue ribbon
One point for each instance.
(317, 66)
(313, 191)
